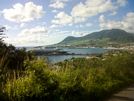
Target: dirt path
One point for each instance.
(124, 95)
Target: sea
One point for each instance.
(80, 53)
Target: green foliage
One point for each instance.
(24, 78)
(102, 38)
(12, 69)
(23, 87)
(87, 79)
(97, 77)
(37, 84)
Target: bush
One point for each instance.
(79, 79)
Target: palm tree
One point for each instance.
(3, 47)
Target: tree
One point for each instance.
(3, 46)
(2, 30)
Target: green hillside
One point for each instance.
(101, 38)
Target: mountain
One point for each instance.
(101, 38)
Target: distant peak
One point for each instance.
(109, 35)
(114, 30)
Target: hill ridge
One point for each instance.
(100, 38)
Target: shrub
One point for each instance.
(79, 79)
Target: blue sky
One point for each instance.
(44, 22)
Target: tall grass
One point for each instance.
(91, 79)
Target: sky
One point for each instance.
(45, 22)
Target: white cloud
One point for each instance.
(33, 36)
(22, 25)
(113, 13)
(79, 33)
(82, 11)
(37, 36)
(62, 19)
(58, 4)
(33, 31)
(88, 24)
(94, 7)
(54, 11)
(81, 25)
(7, 27)
(0, 13)
(23, 13)
(122, 2)
(53, 26)
(79, 19)
(127, 23)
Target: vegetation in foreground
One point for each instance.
(24, 78)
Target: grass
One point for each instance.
(91, 79)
